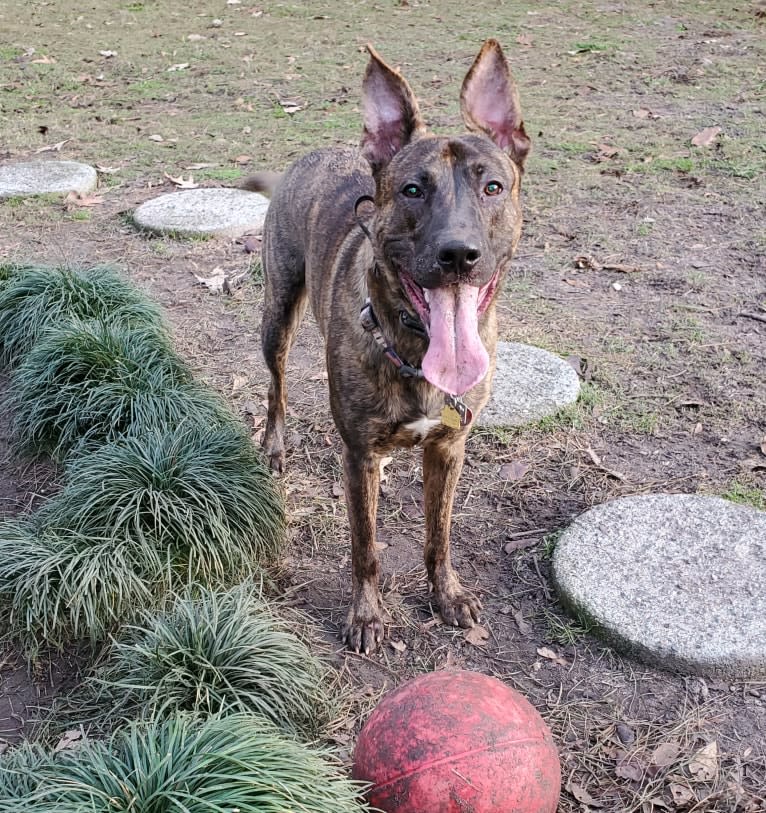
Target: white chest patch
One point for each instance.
(422, 426)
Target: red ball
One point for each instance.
(458, 742)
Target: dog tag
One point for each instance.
(455, 413)
(450, 416)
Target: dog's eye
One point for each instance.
(493, 188)
(412, 190)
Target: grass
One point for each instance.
(202, 497)
(137, 517)
(184, 765)
(566, 632)
(92, 382)
(214, 652)
(745, 495)
(60, 587)
(35, 299)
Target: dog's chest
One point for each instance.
(421, 427)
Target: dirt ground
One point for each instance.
(643, 260)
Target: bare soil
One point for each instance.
(643, 260)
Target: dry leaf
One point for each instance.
(762, 447)
(238, 382)
(196, 37)
(181, 182)
(108, 54)
(220, 282)
(105, 170)
(682, 796)
(644, 113)
(44, 60)
(665, 754)
(524, 40)
(69, 739)
(384, 461)
(337, 490)
(156, 137)
(706, 137)
(704, 764)
(514, 470)
(399, 646)
(520, 544)
(629, 769)
(252, 244)
(477, 635)
(77, 199)
(290, 106)
(582, 795)
(52, 147)
(524, 628)
(546, 652)
(606, 151)
(195, 167)
(243, 159)
(179, 66)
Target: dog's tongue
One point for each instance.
(456, 359)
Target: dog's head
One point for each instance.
(448, 215)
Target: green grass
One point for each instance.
(136, 518)
(203, 497)
(92, 382)
(183, 765)
(745, 495)
(34, 299)
(566, 632)
(61, 587)
(217, 652)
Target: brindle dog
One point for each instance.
(404, 297)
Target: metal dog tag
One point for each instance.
(455, 413)
(450, 416)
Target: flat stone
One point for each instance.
(676, 580)
(227, 212)
(46, 177)
(529, 384)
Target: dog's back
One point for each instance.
(311, 215)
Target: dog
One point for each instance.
(401, 247)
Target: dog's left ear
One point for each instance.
(390, 113)
(489, 102)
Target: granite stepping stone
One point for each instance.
(46, 177)
(215, 211)
(529, 384)
(676, 580)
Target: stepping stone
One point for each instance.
(676, 580)
(529, 384)
(228, 212)
(46, 177)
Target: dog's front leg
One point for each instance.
(363, 629)
(442, 464)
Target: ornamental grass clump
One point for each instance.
(218, 652)
(34, 299)
(183, 763)
(89, 382)
(61, 586)
(20, 770)
(200, 496)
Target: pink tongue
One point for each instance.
(456, 359)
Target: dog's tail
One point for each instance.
(264, 182)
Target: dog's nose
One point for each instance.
(458, 257)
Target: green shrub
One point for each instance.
(187, 765)
(91, 382)
(20, 769)
(34, 299)
(217, 652)
(202, 497)
(57, 587)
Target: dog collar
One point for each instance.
(455, 413)
(372, 326)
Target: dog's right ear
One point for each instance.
(389, 111)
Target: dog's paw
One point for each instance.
(363, 630)
(460, 608)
